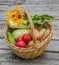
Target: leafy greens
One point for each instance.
(39, 19)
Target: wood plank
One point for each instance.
(7, 58)
(53, 45)
(31, 2)
(9, 2)
(37, 7)
(3, 7)
(50, 10)
(45, 63)
(2, 27)
(41, 2)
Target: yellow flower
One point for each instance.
(15, 15)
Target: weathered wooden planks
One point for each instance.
(7, 58)
(37, 7)
(30, 2)
(10, 2)
(46, 63)
(41, 2)
(51, 10)
(53, 46)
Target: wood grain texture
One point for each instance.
(10, 2)
(46, 63)
(30, 2)
(7, 58)
(50, 10)
(41, 2)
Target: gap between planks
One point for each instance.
(45, 59)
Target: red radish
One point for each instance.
(26, 37)
(19, 39)
(21, 44)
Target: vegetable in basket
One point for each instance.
(10, 37)
(20, 32)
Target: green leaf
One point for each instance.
(40, 19)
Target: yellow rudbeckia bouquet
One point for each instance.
(15, 18)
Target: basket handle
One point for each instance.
(31, 26)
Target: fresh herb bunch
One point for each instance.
(39, 19)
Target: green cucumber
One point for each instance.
(20, 32)
(42, 31)
(10, 37)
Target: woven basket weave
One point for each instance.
(33, 51)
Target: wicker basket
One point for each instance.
(33, 51)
